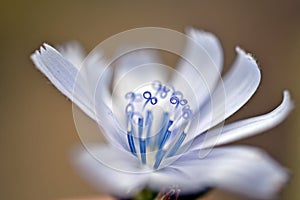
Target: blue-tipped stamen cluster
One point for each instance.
(151, 142)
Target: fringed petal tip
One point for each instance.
(42, 50)
(37, 52)
(248, 55)
(193, 32)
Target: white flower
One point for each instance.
(159, 128)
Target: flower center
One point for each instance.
(157, 120)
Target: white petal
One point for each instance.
(136, 68)
(110, 170)
(243, 170)
(210, 43)
(73, 52)
(248, 127)
(65, 77)
(92, 68)
(62, 74)
(237, 87)
(201, 66)
(97, 76)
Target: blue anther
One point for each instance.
(140, 126)
(170, 123)
(148, 118)
(148, 124)
(142, 141)
(177, 144)
(131, 142)
(143, 150)
(165, 138)
(163, 129)
(166, 135)
(159, 156)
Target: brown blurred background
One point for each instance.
(37, 129)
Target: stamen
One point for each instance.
(131, 143)
(141, 112)
(163, 129)
(142, 140)
(159, 156)
(140, 126)
(148, 124)
(129, 129)
(177, 145)
(143, 150)
(166, 135)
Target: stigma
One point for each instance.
(158, 118)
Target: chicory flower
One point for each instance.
(161, 125)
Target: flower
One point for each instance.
(166, 132)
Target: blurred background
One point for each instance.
(36, 127)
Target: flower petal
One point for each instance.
(248, 127)
(240, 169)
(110, 170)
(92, 68)
(135, 68)
(97, 76)
(73, 52)
(237, 87)
(201, 66)
(66, 77)
(62, 74)
(210, 43)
